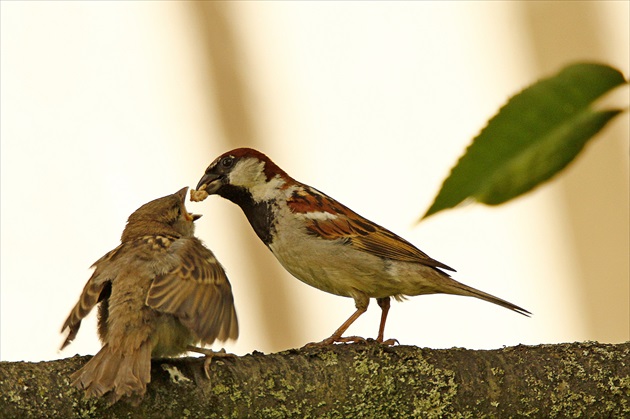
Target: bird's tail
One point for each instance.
(461, 289)
(115, 374)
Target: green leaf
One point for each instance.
(533, 137)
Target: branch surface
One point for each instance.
(358, 380)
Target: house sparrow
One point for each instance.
(327, 245)
(160, 291)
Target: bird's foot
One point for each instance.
(350, 339)
(337, 339)
(388, 342)
(210, 354)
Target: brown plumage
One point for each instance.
(160, 291)
(327, 245)
(359, 232)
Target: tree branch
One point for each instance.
(358, 380)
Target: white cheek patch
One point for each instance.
(249, 173)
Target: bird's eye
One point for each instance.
(227, 161)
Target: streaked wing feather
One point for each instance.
(91, 295)
(338, 222)
(386, 244)
(197, 291)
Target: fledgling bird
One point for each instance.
(324, 243)
(160, 292)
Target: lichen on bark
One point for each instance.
(358, 380)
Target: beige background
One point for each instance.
(107, 105)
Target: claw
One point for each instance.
(210, 354)
(351, 339)
(390, 342)
(334, 339)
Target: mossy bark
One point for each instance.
(358, 380)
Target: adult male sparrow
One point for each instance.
(160, 291)
(324, 243)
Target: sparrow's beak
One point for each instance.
(191, 217)
(182, 193)
(211, 181)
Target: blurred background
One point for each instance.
(107, 105)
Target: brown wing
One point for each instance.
(197, 291)
(96, 290)
(338, 222)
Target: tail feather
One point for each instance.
(115, 374)
(461, 289)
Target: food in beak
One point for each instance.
(198, 195)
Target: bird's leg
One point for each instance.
(336, 337)
(361, 303)
(384, 304)
(209, 353)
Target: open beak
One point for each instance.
(192, 217)
(182, 193)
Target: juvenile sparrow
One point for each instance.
(324, 243)
(160, 291)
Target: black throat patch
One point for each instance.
(258, 214)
